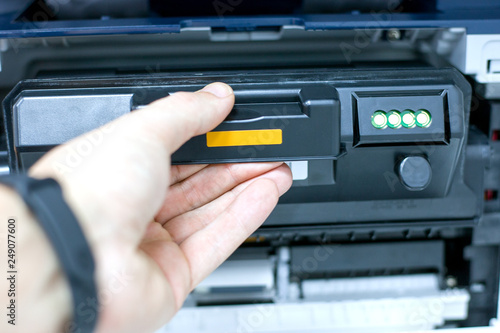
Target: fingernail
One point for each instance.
(220, 90)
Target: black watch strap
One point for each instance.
(45, 199)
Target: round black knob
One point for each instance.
(415, 173)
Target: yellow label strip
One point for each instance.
(244, 138)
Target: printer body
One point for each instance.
(387, 112)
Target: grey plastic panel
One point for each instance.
(51, 120)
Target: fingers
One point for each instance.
(174, 266)
(159, 246)
(183, 226)
(206, 185)
(180, 172)
(177, 118)
(210, 246)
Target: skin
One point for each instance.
(155, 230)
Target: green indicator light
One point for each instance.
(408, 119)
(423, 118)
(379, 119)
(393, 119)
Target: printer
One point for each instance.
(387, 112)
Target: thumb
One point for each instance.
(175, 119)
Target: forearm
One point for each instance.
(38, 288)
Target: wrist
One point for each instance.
(42, 294)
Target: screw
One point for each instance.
(451, 282)
(393, 34)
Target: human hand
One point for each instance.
(156, 231)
